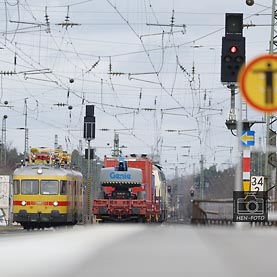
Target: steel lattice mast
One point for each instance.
(272, 50)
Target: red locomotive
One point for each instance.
(128, 191)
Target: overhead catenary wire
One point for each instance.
(108, 102)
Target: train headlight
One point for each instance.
(55, 203)
(23, 203)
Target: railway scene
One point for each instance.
(138, 138)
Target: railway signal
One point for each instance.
(89, 134)
(89, 123)
(91, 154)
(232, 59)
(233, 48)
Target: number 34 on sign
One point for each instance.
(257, 183)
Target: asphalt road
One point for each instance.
(141, 250)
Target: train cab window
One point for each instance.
(162, 176)
(49, 187)
(29, 186)
(16, 186)
(63, 187)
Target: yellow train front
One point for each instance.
(46, 196)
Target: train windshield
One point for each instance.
(49, 187)
(29, 186)
(63, 187)
(16, 186)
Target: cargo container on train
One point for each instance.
(128, 191)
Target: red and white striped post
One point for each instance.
(246, 169)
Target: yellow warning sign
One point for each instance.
(258, 83)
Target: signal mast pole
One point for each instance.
(272, 50)
(89, 134)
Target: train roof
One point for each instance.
(158, 166)
(45, 171)
(158, 170)
(131, 157)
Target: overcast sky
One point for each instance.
(144, 75)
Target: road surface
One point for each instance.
(141, 250)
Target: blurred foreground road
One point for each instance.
(141, 250)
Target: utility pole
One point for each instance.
(272, 50)
(4, 140)
(116, 150)
(67, 23)
(202, 180)
(26, 140)
(56, 143)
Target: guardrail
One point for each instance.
(220, 212)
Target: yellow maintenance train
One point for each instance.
(47, 191)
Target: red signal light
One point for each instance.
(233, 49)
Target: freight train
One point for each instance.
(47, 191)
(129, 192)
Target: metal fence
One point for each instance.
(220, 211)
